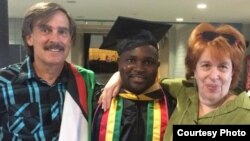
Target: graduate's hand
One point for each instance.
(110, 90)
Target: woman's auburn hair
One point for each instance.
(218, 47)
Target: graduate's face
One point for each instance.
(138, 68)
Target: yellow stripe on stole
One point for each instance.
(111, 120)
(129, 95)
(157, 122)
(135, 97)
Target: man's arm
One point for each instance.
(110, 90)
(2, 111)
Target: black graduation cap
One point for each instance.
(125, 27)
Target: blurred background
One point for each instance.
(94, 18)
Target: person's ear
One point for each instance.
(29, 40)
(118, 60)
(158, 64)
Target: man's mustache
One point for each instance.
(54, 46)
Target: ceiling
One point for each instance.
(222, 11)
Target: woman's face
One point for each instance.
(213, 77)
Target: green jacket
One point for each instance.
(186, 112)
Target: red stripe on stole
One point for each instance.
(81, 87)
(164, 116)
(103, 126)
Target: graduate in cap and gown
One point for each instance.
(141, 110)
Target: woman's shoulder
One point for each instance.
(243, 99)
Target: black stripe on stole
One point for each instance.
(96, 123)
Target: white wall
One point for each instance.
(178, 36)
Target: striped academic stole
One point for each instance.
(77, 89)
(74, 125)
(157, 115)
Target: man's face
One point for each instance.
(51, 41)
(138, 68)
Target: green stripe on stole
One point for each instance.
(150, 116)
(118, 117)
(150, 119)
